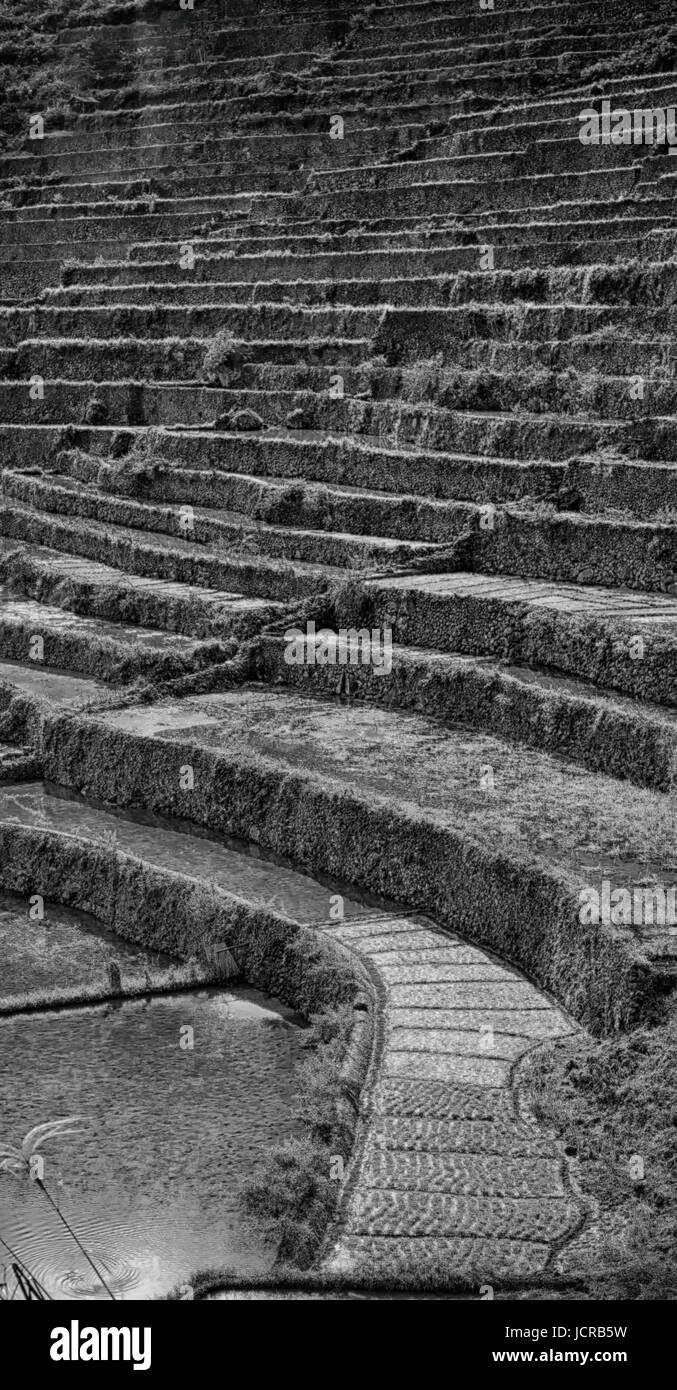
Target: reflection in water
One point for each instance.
(182, 1094)
(236, 865)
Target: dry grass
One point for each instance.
(614, 1103)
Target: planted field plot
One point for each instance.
(338, 634)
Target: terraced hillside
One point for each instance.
(327, 314)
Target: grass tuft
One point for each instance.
(614, 1105)
(293, 1194)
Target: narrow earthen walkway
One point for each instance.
(450, 1178)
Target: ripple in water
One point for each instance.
(150, 1183)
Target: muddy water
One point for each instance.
(236, 865)
(150, 1182)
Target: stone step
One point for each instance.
(190, 328)
(166, 157)
(167, 126)
(644, 235)
(630, 739)
(504, 541)
(268, 39)
(153, 555)
(357, 91)
(596, 394)
(607, 479)
(556, 415)
(285, 259)
(289, 502)
(578, 196)
(238, 533)
(216, 71)
(391, 425)
(519, 37)
(211, 180)
(379, 410)
(575, 225)
(625, 90)
(32, 255)
(406, 333)
(555, 129)
(162, 321)
(524, 18)
(598, 228)
(33, 268)
(539, 62)
(611, 637)
(385, 277)
(101, 591)
(375, 28)
(176, 359)
(294, 273)
(359, 101)
(641, 489)
(109, 651)
(402, 189)
(541, 141)
(321, 781)
(514, 127)
(567, 46)
(557, 179)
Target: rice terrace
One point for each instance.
(338, 650)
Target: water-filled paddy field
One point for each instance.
(181, 1087)
(150, 1182)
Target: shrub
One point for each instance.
(134, 471)
(224, 358)
(292, 1193)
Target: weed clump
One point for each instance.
(133, 472)
(96, 412)
(293, 1193)
(614, 1105)
(224, 359)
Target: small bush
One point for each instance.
(292, 1193)
(293, 1198)
(224, 359)
(134, 471)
